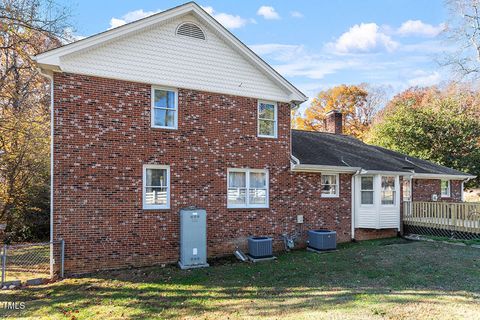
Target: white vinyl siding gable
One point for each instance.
(161, 57)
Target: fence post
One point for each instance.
(62, 243)
(4, 263)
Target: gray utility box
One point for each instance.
(322, 239)
(193, 238)
(260, 247)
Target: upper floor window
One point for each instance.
(164, 108)
(445, 188)
(247, 188)
(267, 119)
(388, 190)
(330, 185)
(156, 187)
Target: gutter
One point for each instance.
(297, 167)
(444, 176)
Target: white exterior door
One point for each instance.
(377, 201)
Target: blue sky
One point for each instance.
(314, 44)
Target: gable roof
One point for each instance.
(347, 154)
(51, 60)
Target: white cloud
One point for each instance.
(295, 61)
(424, 79)
(364, 37)
(69, 36)
(129, 17)
(278, 52)
(268, 13)
(296, 14)
(227, 20)
(417, 27)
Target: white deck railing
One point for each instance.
(461, 216)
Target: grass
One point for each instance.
(385, 279)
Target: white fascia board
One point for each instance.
(322, 168)
(53, 57)
(442, 176)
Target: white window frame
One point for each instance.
(449, 190)
(275, 122)
(247, 172)
(409, 182)
(394, 191)
(152, 108)
(144, 187)
(368, 190)
(337, 186)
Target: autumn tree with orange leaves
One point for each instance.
(358, 103)
(27, 27)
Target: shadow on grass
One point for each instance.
(395, 271)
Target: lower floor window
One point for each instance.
(330, 185)
(445, 188)
(156, 187)
(388, 190)
(366, 188)
(247, 188)
(407, 189)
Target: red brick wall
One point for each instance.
(424, 188)
(369, 234)
(103, 138)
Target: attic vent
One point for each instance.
(190, 30)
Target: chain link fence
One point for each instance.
(30, 263)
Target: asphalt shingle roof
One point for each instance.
(323, 148)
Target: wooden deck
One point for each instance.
(463, 216)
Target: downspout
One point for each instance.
(353, 204)
(52, 260)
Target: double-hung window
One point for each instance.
(156, 187)
(267, 119)
(330, 185)
(407, 189)
(445, 188)
(164, 108)
(366, 190)
(247, 188)
(388, 190)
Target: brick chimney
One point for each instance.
(334, 122)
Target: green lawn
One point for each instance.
(385, 279)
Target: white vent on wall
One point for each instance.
(191, 30)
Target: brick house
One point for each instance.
(173, 111)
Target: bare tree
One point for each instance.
(27, 27)
(463, 31)
(376, 100)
